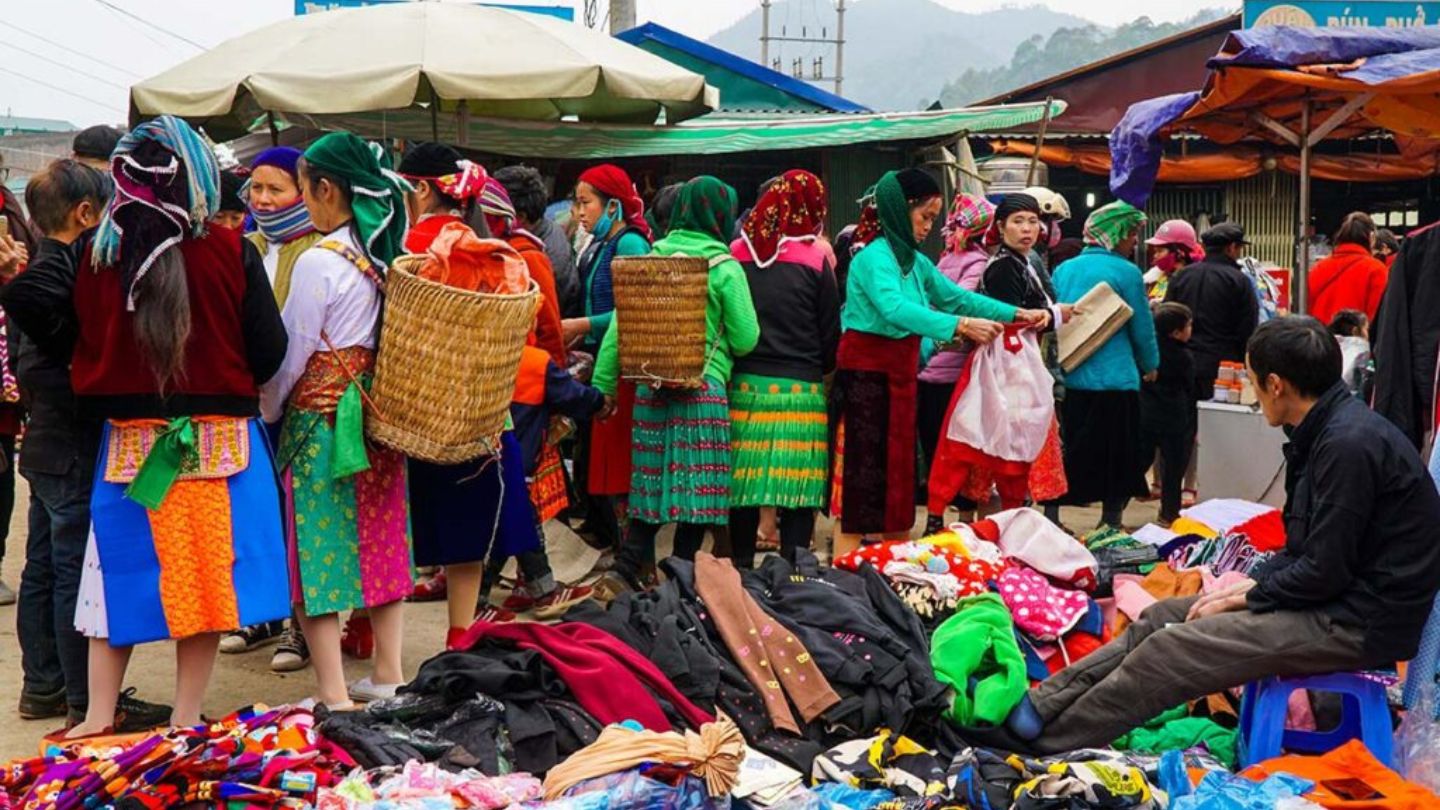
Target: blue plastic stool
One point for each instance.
(1365, 716)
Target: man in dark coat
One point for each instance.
(1222, 299)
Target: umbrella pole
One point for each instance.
(1299, 288)
(274, 130)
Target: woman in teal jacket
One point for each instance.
(894, 297)
(680, 457)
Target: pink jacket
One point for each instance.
(965, 269)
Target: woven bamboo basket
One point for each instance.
(445, 373)
(660, 311)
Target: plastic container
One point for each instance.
(1222, 392)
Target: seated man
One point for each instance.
(1351, 589)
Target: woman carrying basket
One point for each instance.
(172, 326)
(777, 397)
(681, 457)
(349, 538)
(609, 208)
(892, 289)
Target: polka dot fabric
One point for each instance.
(1041, 610)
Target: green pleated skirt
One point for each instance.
(778, 439)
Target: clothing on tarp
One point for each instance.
(1175, 730)
(888, 761)
(1025, 535)
(975, 652)
(713, 754)
(1349, 777)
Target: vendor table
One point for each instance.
(1240, 455)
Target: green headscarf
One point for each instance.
(1108, 225)
(894, 194)
(379, 193)
(706, 205)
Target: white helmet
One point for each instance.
(1051, 204)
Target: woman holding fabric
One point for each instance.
(607, 207)
(349, 538)
(892, 289)
(681, 457)
(780, 450)
(173, 327)
(1104, 460)
(1010, 277)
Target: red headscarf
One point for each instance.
(793, 208)
(613, 182)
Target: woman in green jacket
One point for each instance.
(680, 458)
(894, 297)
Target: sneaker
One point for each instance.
(133, 714)
(934, 524)
(252, 638)
(366, 690)
(499, 615)
(554, 604)
(293, 654)
(7, 594)
(41, 705)
(357, 640)
(519, 601)
(432, 589)
(611, 585)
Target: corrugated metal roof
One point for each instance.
(18, 123)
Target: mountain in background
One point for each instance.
(1040, 57)
(899, 54)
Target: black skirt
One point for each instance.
(1104, 458)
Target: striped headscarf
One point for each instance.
(970, 216)
(1108, 225)
(495, 202)
(184, 212)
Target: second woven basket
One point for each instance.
(660, 314)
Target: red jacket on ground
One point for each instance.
(1349, 278)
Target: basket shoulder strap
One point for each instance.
(360, 261)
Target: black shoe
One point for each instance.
(251, 638)
(133, 714)
(293, 654)
(42, 705)
(934, 525)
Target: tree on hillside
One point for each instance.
(1038, 58)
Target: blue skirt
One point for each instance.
(466, 513)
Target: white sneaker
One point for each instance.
(7, 595)
(366, 690)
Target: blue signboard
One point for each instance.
(1336, 14)
(566, 13)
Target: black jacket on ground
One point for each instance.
(1360, 517)
(1406, 335)
(1226, 312)
(798, 309)
(56, 437)
(1167, 406)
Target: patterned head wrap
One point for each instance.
(792, 209)
(183, 211)
(468, 182)
(970, 216)
(706, 205)
(495, 203)
(378, 202)
(1108, 225)
(613, 182)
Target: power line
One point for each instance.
(107, 105)
(143, 21)
(44, 58)
(52, 43)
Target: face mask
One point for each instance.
(1166, 263)
(607, 220)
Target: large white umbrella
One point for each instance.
(424, 60)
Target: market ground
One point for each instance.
(244, 679)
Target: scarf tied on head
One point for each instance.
(1108, 225)
(706, 205)
(970, 217)
(467, 183)
(613, 182)
(378, 201)
(138, 185)
(791, 210)
(500, 211)
(894, 195)
(286, 224)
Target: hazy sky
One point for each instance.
(41, 80)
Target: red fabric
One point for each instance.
(613, 182)
(548, 334)
(794, 207)
(422, 233)
(610, 680)
(1349, 278)
(610, 446)
(106, 361)
(1077, 645)
(1266, 532)
(897, 359)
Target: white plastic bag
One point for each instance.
(1008, 403)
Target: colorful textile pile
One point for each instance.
(421, 786)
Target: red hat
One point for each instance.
(1175, 232)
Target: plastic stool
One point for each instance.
(1365, 715)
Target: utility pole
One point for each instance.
(622, 15)
(824, 39)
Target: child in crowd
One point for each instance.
(1168, 406)
(542, 389)
(1352, 329)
